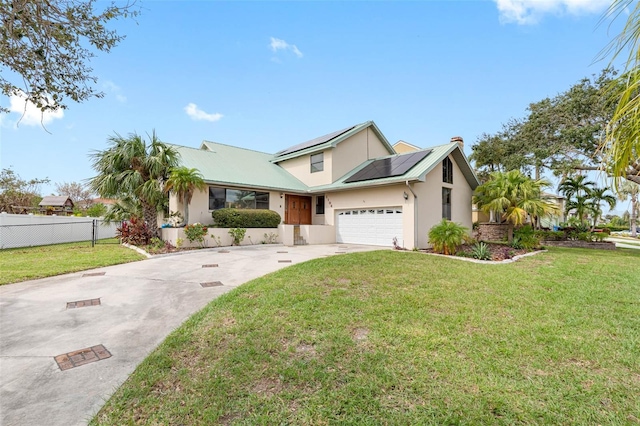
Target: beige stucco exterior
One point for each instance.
(338, 161)
(402, 147)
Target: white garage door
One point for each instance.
(371, 226)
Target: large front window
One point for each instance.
(237, 198)
(447, 170)
(317, 162)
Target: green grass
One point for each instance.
(21, 264)
(405, 338)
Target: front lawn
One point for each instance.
(21, 264)
(405, 338)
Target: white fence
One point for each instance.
(19, 230)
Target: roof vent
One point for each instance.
(459, 140)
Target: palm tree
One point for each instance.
(513, 196)
(630, 189)
(622, 139)
(183, 181)
(576, 190)
(597, 197)
(134, 170)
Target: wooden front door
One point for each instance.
(298, 210)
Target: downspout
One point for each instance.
(415, 215)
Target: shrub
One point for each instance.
(195, 232)
(550, 235)
(481, 251)
(270, 238)
(134, 231)
(237, 234)
(525, 238)
(447, 236)
(246, 218)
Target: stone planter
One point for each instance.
(493, 231)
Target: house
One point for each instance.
(402, 147)
(349, 186)
(58, 205)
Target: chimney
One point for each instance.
(459, 140)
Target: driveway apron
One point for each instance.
(68, 342)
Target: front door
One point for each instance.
(298, 210)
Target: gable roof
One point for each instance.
(407, 144)
(240, 167)
(417, 172)
(55, 200)
(329, 140)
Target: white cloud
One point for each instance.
(526, 12)
(30, 114)
(196, 113)
(278, 44)
(114, 89)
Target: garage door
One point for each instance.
(371, 226)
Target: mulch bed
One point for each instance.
(498, 251)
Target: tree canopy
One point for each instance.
(560, 134)
(46, 45)
(18, 192)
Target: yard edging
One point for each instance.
(486, 262)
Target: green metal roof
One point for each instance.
(418, 172)
(329, 141)
(240, 167)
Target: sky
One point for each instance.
(267, 75)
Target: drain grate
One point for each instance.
(83, 303)
(82, 357)
(224, 251)
(210, 265)
(283, 252)
(211, 284)
(284, 261)
(93, 274)
(340, 252)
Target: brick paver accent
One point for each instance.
(93, 274)
(82, 357)
(284, 261)
(211, 284)
(83, 303)
(210, 265)
(224, 251)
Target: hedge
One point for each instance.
(245, 218)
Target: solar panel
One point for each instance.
(389, 167)
(313, 142)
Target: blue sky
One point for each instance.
(267, 75)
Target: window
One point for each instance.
(446, 203)
(320, 204)
(236, 198)
(447, 170)
(317, 162)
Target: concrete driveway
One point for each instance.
(68, 342)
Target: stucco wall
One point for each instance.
(430, 201)
(222, 237)
(300, 167)
(355, 150)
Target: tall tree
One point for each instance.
(622, 142)
(18, 192)
(513, 196)
(135, 171)
(78, 192)
(46, 45)
(561, 134)
(183, 181)
(576, 189)
(597, 197)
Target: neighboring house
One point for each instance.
(348, 186)
(402, 147)
(58, 205)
